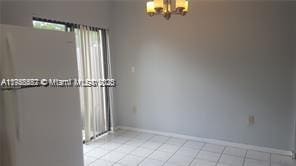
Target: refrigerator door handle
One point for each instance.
(11, 72)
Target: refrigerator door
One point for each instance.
(47, 128)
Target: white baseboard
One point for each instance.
(212, 141)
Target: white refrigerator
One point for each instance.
(39, 126)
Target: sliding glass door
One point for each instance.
(93, 64)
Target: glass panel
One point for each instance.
(48, 26)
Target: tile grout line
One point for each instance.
(126, 153)
(118, 148)
(258, 159)
(245, 156)
(153, 135)
(195, 157)
(100, 158)
(224, 148)
(129, 153)
(175, 152)
(226, 153)
(153, 151)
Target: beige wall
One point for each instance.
(204, 74)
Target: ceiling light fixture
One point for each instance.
(164, 7)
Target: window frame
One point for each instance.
(69, 27)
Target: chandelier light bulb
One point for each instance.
(158, 5)
(167, 8)
(150, 8)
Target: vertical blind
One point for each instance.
(91, 65)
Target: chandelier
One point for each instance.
(165, 8)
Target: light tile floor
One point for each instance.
(130, 148)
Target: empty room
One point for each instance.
(148, 83)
